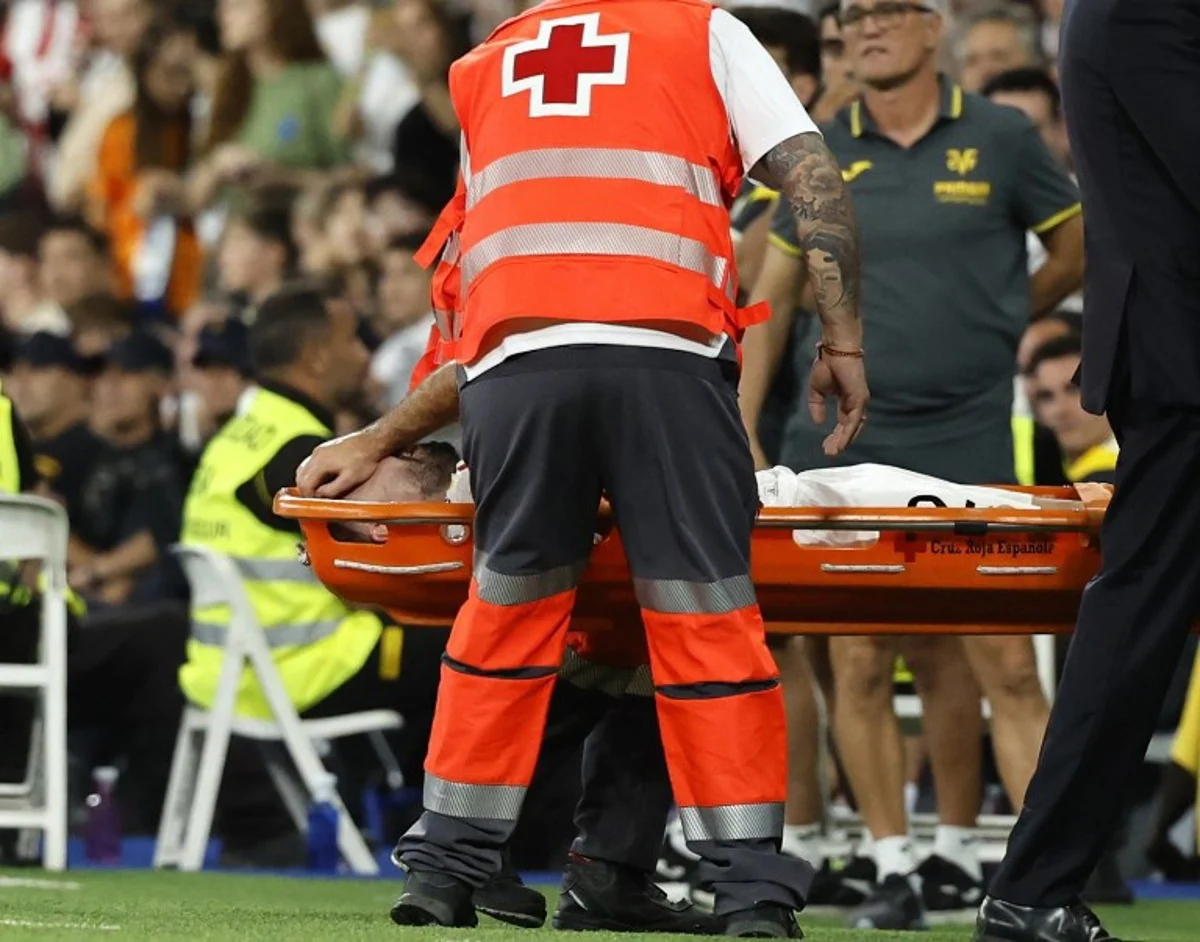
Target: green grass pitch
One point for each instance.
(144, 905)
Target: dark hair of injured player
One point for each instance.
(419, 474)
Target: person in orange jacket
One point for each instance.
(604, 702)
(588, 283)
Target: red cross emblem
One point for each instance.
(563, 63)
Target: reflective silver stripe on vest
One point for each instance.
(605, 163)
(733, 822)
(499, 588)
(677, 597)
(608, 679)
(275, 570)
(281, 636)
(593, 238)
(458, 800)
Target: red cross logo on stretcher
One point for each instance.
(563, 63)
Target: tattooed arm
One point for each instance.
(807, 174)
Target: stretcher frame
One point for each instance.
(930, 570)
(894, 585)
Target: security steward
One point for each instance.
(596, 332)
(333, 659)
(18, 617)
(947, 185)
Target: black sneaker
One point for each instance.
(598, 895)
(1092, 925)
(434, 899)
(766, 921)
(950, 894)
(831, 891)
(893, 904)
(506, 898)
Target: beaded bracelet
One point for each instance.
(824, 348)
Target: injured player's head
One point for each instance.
(421, 474)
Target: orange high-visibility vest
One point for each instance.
(597, 176)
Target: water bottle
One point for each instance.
(323, 856)
(103, 842)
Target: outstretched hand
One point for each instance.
(843, 379)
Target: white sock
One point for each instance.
(804, 841)
(912, 791)
(895, 855)
(961, 847)
(866, 845)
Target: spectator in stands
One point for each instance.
(404, 319)
(348, 247)
(221, 371)
(1038, 459)
(195, 424)
(51, 385)
(1034, 92)
(133, 498)
(24, 309)
(98, 321)
(272, 112)
(74, 262)
(931, 249)
(398, 204)
(993, 38)
(257, 254)
(1086, 441)
(380, 92)
(835, 66)
(137, 194)
(426, 139)
(94, 98)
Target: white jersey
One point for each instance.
(863, 485)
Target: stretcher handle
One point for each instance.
(959, 521)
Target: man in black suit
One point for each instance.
(1131, 80)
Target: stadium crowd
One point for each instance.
(206, 202)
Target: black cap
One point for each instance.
(141, 352)
(224, 344)
(46, 350)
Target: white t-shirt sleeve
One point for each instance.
(762, 107)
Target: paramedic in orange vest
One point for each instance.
(589, 260)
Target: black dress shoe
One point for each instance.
(598, 895)
(766, 921)
(435, 899)
(1091, 922)
(999, 921)
(506, 898)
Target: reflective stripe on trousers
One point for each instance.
(594, 238)
(606, 678)
(497, 588)
(280, 636)
(605, 163)
(759, 821)
(460, 800)
(678, 597)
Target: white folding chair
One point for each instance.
(292, 744)
(32, 528)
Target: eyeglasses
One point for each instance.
(888, 14)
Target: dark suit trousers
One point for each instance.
(1130, 635)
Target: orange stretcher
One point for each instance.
(930, 570)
